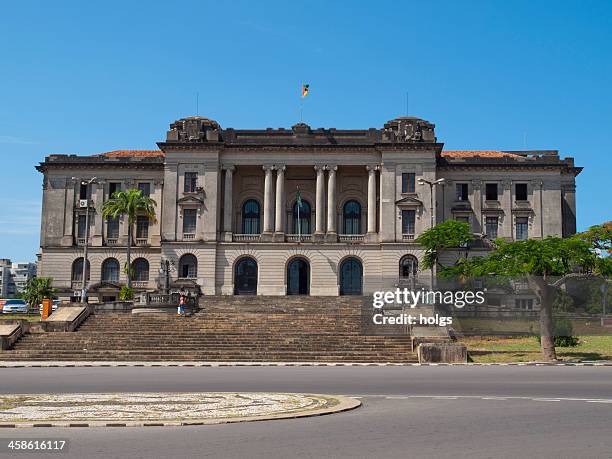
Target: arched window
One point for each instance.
(251, 217)
(408, 266)
(140, 268)
(188, 266)
(301, 218)
(245, 277)
(351, 217)
(110, 270)
(77, 270)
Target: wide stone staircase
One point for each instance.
(228, 329)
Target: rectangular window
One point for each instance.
(491, 191)
(81, 228)
(408, 219)
(491, 227)
(408, 182)
(525, 304)
(462, 191)
(112, 228)
(113, 187)
(191, 182)
(142, 227)
(520, 190)
(83, 191)
(189, 221)
(522, 225)
(145, 188)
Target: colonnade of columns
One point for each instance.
(274, 212)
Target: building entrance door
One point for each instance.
(245, 277)
(298, 277)
(351, 277)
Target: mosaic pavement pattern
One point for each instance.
(116, 407)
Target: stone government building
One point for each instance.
(228, 217)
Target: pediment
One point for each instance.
(409, 201)
(190, 199)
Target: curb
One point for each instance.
(345, 404)
(98, 364)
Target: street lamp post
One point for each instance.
(87, 184)
(431, 184)
(165, 268)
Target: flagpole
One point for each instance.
(301, 103)
(299, 222)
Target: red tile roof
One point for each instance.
(477, 153)
(132, 153)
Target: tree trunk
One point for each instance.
(129, 264)
(547, 338)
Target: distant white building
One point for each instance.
(14, 277)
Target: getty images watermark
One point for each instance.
(416, 298)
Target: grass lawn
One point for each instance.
(29, 317)
(527, 349)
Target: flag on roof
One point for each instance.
(305, 90)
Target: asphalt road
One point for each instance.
(432, 412)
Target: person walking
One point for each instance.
(181, 306)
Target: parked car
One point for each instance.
(15, 306)
(2, 301)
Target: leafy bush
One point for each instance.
(126, 293)
(563, 330)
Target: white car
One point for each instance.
(15, 306)
(54, 306)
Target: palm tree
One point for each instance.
(130, 203)
(37, 289)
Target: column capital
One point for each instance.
(228, 167)
(280, 167)
(331, 168)
(372, 167)
(320, 168)
(268, 167)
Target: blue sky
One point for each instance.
(84, 78)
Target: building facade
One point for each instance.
(14, 277)
(290, 211)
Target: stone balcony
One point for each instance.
(299, 238)
(246, 237)
(141, 241)
(352, 238)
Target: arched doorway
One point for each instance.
(408, 267)
(188, 266)
(351, 277)
(298, 277)
(245, 277)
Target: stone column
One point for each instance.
(228, 202)
(332, 235)
(268, 205)
(97, 198)
(371, 199)
(320, 201)
(507, 228)
(279, 220)
(479, 224)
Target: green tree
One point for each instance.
(129, 203)
(547, 264)
(446, 235)
(37, 289)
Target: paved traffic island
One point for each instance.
(160, 409)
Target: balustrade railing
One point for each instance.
(351, 237)
(246, 237)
